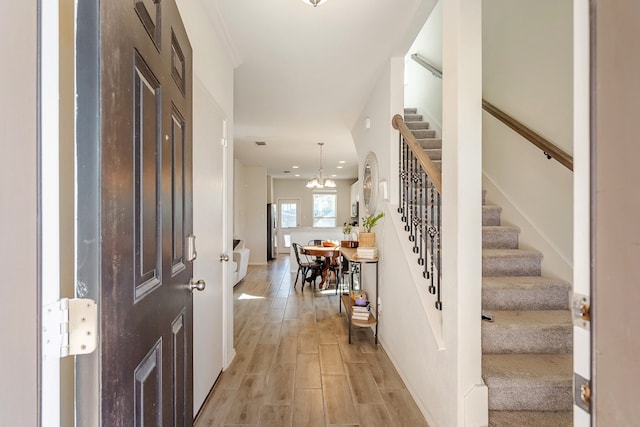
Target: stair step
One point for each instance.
(511, 262)
(417, 125)
(410, 111)
(430, 143)
(525, 293)
(424, 133)
(434, 153)
(500, 236)
(529, 382)
(539, 331)
(530, 418)
(491, 215)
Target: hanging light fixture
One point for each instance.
(314, 3)
(319, 181)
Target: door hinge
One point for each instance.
(69, 327)
(582, 392)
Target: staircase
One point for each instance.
(527, 348)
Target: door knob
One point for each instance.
(197, 286)
(224, 257)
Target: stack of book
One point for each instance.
(360, 312)
(367, 253)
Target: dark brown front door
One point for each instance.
(134, 211)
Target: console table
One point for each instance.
(351, 255)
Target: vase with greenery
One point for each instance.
(367, 238)
(346, 230)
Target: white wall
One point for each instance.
(255, 203)
(423, 90)
(239, 208)
(18, 218)
(417, 356)
(527, 72)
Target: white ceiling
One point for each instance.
(305, 76)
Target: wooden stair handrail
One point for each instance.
(549, 149)
(425, 161)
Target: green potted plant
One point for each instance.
(367, 238)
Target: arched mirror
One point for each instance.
(370, 183)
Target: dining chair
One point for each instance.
(315, 242)
(335, 266)
(305, 265)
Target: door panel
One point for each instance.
(148, 388)
(181, 414)
(178, 167)
(147, 118)
(142, 179)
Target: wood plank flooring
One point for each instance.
(294, 366)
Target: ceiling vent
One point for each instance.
(261, 143)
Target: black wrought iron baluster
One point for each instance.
(423, 180)
(400, 172)
(431, 231)
(417, 204)
(410, 195)
(405, 182)
(439, 263)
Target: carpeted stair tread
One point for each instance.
(528, 331)
(511, 262)
(524, 293)
(430, 143)
(491, 214)
(424, 133)
(500, 236)
(411, 115)
(434, 153)
(530, 418)
(417, 125)
(529, 382)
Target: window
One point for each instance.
(324, 210)
(288, 213)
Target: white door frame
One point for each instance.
(50, 201)
(581, 191)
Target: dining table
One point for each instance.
(328, 253)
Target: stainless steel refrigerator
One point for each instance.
(272, 226)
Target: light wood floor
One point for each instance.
(295, 367)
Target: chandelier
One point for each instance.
(314, 3)
(319, 181)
